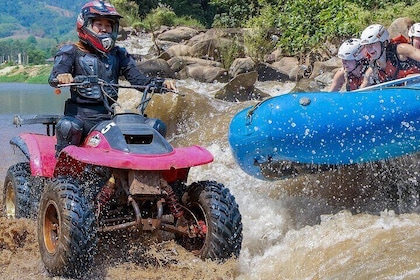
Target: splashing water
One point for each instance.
(354, 222)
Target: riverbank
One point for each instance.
(35, 74)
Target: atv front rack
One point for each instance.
(49, 121)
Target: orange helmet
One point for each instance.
(93, 10)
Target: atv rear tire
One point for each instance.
(17, 191)
(213, 204)
(66, 229)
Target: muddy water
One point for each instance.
(357, 222)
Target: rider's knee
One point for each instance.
(68, 132)
(157, 124)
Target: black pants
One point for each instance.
(89, 114)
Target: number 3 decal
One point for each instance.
(107, 127)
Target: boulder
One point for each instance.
(156, 67)
(290, 67)
(241, 65)
(178, 50)
(217, 33)
(266, 72)
(400, 26)
(321, 67)
(204, 74)
(210, 48)
(274, 56)
(178, 34)
(179, 62)
(241, 88)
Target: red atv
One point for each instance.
(125, 176)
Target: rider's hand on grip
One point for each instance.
(65, 78)
(170, 85)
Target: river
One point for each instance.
(347, 223)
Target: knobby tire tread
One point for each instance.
(78, 241)
(224, 237)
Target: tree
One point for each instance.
(36, 56)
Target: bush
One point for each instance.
(129, 9)
(162, 15)
(188, 21)
(305, 25)
(258, 40)
(303, 28)
(229, 53)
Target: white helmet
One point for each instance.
(350, 50)
(414, 30)
(374, 33)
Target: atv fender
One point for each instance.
(179, 158)
(39, 150)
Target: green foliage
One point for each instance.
(39, 75)
(162, 15)
(306, 25)
(145, 6)
(306, 28)
(40, 18)
(413, 11)
(196, 10)
(387, 15)
(235, 13)
(372, 5)
(36, 56)
(228, 53)
(258, 40)
(6, 29)
(129, 9)
(188, 21)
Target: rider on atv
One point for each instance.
(94, 54)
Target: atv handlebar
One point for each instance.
(85, 81)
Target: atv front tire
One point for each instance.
(66, 229)
(17, 191)
(211, 204)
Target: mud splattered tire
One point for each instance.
(66, 229)
(213, 204)
(17, 191)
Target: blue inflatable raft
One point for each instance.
(302, 132)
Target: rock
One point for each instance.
(289, 66)
(178, 62)
(241, 88)
(266, 72)
(308, 85)
(178, 50)
(274, 56)
(210, 48)
(156, 67)
(178, 34)
(216, 33)
(185, 52)
(241, 65)
(205, 74)
(400, 26)
(320, 67)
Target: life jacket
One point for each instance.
(395, 68)
(399, 39)
(353, 82)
